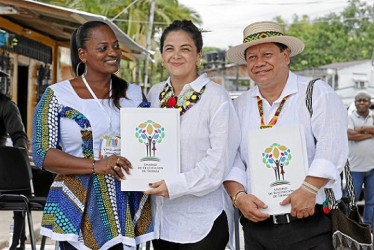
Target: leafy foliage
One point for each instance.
(336, 37)
(134, 22)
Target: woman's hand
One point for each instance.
(113, 165)
(158, 188)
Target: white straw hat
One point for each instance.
(263, 32)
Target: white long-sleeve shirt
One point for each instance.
(210, 136)
(328, 125)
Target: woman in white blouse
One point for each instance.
(192, 210)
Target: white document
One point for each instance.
(150, 141)
(278, 164)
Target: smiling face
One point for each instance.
(267, 65)
(102, 54)
(180, 55)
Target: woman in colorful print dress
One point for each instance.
(76, 135)
(192, 210)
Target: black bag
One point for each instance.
(348, 231)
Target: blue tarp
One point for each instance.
(3, 38)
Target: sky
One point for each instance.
(226, 19)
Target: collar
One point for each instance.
(358, 115)
(289, 89)
(196, 84)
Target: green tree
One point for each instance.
(336, 37)
(134, 23)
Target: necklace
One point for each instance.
(183, 102)
(273, 120)
(97, 100)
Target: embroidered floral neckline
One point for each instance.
(183, 102)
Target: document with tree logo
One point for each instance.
(278, 164)
(150, 141)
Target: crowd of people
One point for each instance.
(77, 120)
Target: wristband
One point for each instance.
(307, 184)
(309, 190)
(236, 196)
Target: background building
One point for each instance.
(34, 49)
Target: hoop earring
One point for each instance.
(162, 63)
(198, 63)
(77, 69)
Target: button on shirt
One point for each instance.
(361, 157)
(209, 137)
(328, 125)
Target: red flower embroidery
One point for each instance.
(167, 100)
(172, 101)
(326, 210)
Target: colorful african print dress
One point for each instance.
(89, 211)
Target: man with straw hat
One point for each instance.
(279, 99)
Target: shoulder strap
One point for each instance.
(309, 99)
(348, 177)
(309, 94)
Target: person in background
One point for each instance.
(76, 132)
(361, 158)
(279, 99)
(192, 210)
(11, 125)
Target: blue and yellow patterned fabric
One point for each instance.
(89, 211)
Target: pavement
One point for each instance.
(6, 219)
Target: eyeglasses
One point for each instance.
(362, 100)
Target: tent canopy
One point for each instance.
(58, 23)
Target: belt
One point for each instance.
(282, 219)
(288, 218)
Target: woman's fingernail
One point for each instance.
(150, 184)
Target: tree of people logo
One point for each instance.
(150, 133)
(277, 157)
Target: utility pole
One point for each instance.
(149, 39)
(124, 10)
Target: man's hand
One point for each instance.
(302, 203)
(249, 206)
